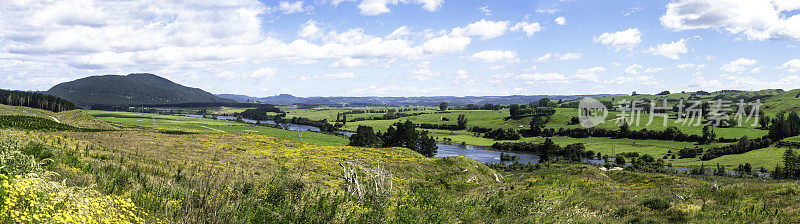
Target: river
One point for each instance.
(479, 153)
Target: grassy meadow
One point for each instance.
(125, 167)
(138, 177)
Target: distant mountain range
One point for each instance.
(286, 99)
(133, 89)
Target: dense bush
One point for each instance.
(502, 134)
(742, 146)
(258, 113)
(449, 127)
(646, 163)
(401, 134)
(690, 152)
(36, 123)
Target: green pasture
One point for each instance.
(209, 126)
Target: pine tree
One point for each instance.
(790, 164)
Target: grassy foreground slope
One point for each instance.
(140, 175)
(244, 178)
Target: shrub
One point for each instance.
(656, 204)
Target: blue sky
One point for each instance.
(408, 47)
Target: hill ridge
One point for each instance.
(132, 89)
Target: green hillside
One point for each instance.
(129, 90)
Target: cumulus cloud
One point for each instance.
(424, 72)
(647, 80)
(310, 31)
(446, 44)
(626, 39)
(336, 76)
(636, 68)
(348, 63)
(528, 28)
(263, 73)
(691, 66)
(791, 65)
(378, 7)
(738, 65)
(291, 7)
(653, 70)
(755, 19)
(671, 50)
(561, 20)
(399, 33)
(558, 57)
(485, 29)
(490, 56)
(633, 69)
(185, 40)
(542, 78)
(590, 74)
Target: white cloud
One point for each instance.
(183, 40)
(263, 73)
(590, 74)
(335, 76)
(633, 69)
(561, 20)
(791, 65)
(374, 7)
(485, 29)
(424, 72)
(431, 5)
(653, 70)
(348, 63)
(399, 33)
(558, 57)
(647, 80)
(485, 10)
(528, 28)
(738, 65)
(490, 56)
(542, 78)
(691, 66)
(671, 50)
(290, 8)
(787, 5)
(446, 44)
(310, 31)
(377, 7)
(755, 19)
(626, 39)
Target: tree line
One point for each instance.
(547, 150)
(35, 100)
(780, 127)
(400, 134)
(461, 124)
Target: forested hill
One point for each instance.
(133, 89)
